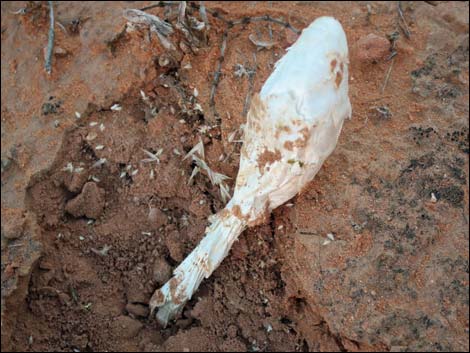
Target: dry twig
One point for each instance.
(50, 43)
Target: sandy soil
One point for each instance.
(85, 243)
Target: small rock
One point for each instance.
(60, 52)
(157, 217)
(89, 203)
(13, 223)
(372, 48)
(161, 271)
(137, 310)
(127, 327)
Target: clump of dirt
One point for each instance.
(89, 203)
(98, 203)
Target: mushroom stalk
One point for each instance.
(292, 126)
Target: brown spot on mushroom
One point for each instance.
(339, 78)
(289, 145)
(268, 157)
(280, 129)
(302, 141)
(237, 212)
(224, 213)
(158, 299)
(333, 64)
(261, 219)
(174, 283)
(204, 264)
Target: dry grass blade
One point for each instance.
(153, 156)
(404, 27)
(198, 148)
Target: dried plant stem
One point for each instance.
(387, 76)
(203, 12)
(404, 27)
(217, 73)
(50, 43)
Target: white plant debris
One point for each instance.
(193, 174)
(153, 157)
(204, 129)
(93, 123)
(99, 147)
(68, 167)
(116, 107)
(198, 107)
(145, 98)
(310, 90)
(78, 115)
(103, 252)
(330, 236)
(260, 44)
(198, 148)
(99, 163)
(217, 179)
(91, 136)
(433, 198)
(240, 71)
(195, 24)
(231, 136)
(71, 169)
(102, 127)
